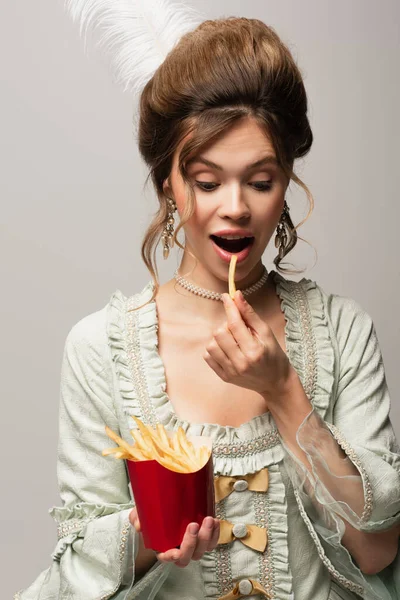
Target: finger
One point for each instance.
(249, 315)
(182, 553)
(238, 323)
(134, 519)
(169, 555)
(228, 352)
(204, 537)
(215, 536)
(215, 366)
(217, 352)
(188, 545)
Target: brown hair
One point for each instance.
(222, 71)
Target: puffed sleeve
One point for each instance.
(356, 459)
(95, 555)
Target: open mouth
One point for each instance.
(232, 246)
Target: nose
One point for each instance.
(234, 204)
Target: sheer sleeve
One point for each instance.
(96, 546)
(356, 459)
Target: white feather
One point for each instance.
(138, 34)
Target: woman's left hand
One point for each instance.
(246, 353)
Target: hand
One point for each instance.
(193, 545)
(246, 353)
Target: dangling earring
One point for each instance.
(281, 235)
(168, 232)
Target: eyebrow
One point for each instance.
(268, 159)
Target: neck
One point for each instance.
(193, 308)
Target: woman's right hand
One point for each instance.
(196, 541)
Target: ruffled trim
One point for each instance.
(84, 510)
(73, 519)
(308, 339)
(278, 533)
(133, 341)
(118, 343)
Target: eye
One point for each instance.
(262, 186)
(259, 186)
(201, 185)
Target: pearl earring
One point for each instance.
(167, 234)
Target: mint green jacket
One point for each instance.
(112, 370)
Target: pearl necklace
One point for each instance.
(215, 295)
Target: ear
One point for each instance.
(167, 187)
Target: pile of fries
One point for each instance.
(175, 452)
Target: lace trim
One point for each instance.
(223, 567)
(134, 355)
(72, 527)
(122, 549)
(354, 587)
(266, 569)
(344, 444)
(308, 339)
(264, 442)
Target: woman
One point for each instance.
(287, 379)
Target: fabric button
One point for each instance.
(239, 530)
(241, 485)
(245, 586)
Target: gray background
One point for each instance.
(73, 211)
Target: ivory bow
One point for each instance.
(223, 485)
(256, 537)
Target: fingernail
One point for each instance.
(194, 528)
(209, 522)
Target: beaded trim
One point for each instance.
(73, 526)
(264, 442)
(134, 355)
(266, 569)
(223, 567)
(122, 549)
(309, 348)
(343, 443)
(354, 587)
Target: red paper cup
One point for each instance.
(167, 501)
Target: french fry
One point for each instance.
(118, 440)
(139, 455)
(123, 454)
(186, 449)
(144, 429)
(108, 451)
(231, 277)
(174, 443)
(163, 449)
(142, 443)
(162, 434)
(173, 465)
